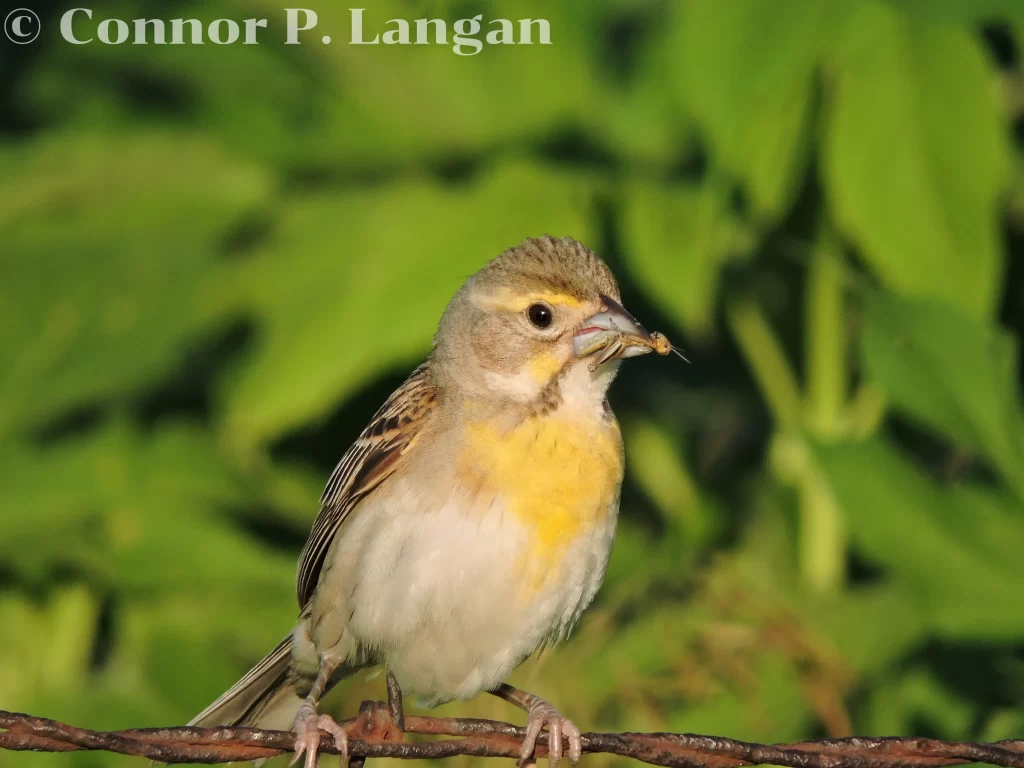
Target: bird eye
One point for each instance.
(540, 315)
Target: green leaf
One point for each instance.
(913, 700)
(931, 227)
(901, 519)
(950, 372)
(872, 627)
(47, 646)
(990, 520)
(679, 238)
(745, 72)
(662, 473)
(343, 105)
(109, 248)
(443, 101)
(137, 513)
(974, 12)
(355, 283)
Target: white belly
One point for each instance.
(447, 598)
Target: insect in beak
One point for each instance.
(613, 333)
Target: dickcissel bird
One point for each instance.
(471, 522)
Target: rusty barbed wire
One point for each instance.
(373, 734)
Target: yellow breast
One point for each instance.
(559, 476)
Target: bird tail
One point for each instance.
(269, 696)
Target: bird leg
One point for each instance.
(540, 713)
(308, 723)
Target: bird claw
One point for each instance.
(540, 714)
(308, 725)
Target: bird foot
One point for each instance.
(308, 725)
(539, 714)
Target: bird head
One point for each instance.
(544, 317)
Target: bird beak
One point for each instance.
(614, 332)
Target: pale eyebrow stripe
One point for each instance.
(506, 300)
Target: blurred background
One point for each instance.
(217, 261)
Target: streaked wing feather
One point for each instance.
(376, 454)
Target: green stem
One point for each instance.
(822, 529)
(866, 411)
(822, 534)
(826, 339)
(767, 362)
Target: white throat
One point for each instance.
(578, 387)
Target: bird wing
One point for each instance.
(374, 456)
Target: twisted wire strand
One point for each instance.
(373, 735)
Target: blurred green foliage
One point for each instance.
(215, 262)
